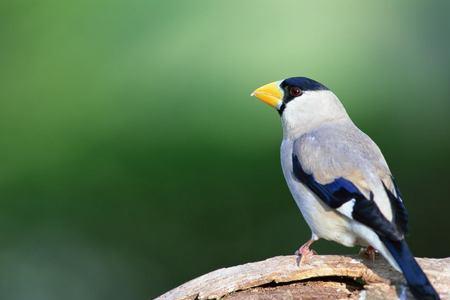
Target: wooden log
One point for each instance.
(321, 277)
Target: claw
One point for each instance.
(304, 252)
(369, 252)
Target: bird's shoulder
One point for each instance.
(339, 138)
(340, 149)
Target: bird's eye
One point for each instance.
(295, 91)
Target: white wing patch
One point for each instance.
(347, 208)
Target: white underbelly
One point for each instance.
(324, 222)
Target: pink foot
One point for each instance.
(304, 252)
(369, 252)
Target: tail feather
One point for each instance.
(417, 281)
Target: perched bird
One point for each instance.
(339, 177)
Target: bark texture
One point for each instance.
(321, 277)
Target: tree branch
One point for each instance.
(321, 277)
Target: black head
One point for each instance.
(295, 86)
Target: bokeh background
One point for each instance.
(133, 158)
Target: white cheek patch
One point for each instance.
(347, 208)
(310, 110)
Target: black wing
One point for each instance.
(400, 212)
(340, 191)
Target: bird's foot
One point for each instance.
(304, 253)
(369, 252)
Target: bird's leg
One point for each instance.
(304, 252)
(369, 252)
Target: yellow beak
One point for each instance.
(270, 94)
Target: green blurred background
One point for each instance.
(134, 159)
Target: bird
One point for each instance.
(339, 178)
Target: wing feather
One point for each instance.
(350, 168)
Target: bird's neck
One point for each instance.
(311, 112)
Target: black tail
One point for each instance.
(418, 282)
